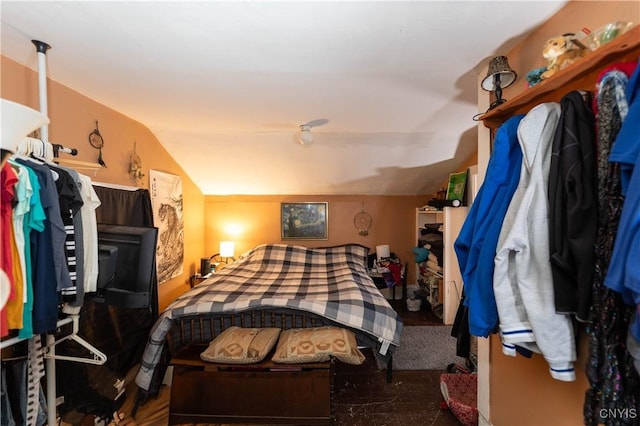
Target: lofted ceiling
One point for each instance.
(225, 85)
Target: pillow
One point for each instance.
(318, 344)
(237, 345)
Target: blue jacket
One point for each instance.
(476, 244)
(626, 147)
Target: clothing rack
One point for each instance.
(41, 149)
(98, 358)
(78, 164)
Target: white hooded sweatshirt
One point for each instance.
(522, 282)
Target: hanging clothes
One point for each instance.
(623, 275)
(476, 244)
(32, 221)
(27, 194)
(8, 179)
(49, 267)
(70, 204)
(626, 148)
(522, 279)
(613, 380)
(624, 272)
(573, 217)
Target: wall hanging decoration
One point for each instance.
(135, 166)
(304, 221)
(362, 221)
(456, 191)
(166, 201)
(96, 141)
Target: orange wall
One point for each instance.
(73, 117)
(259, 219)
(520, 385)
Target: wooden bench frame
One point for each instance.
(265, 392)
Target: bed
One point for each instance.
(276, 285)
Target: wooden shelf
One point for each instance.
(581, 75)
(77, 164)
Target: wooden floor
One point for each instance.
(421, 317)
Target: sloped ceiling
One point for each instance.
(225, 85)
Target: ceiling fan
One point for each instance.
(306, 137)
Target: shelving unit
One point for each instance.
(582, 74)
(429, 280)
(442, 287)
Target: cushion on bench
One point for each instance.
(317, 344)
(237, 345)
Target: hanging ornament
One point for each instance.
(135, 166)
(96, 141)
(362, 221)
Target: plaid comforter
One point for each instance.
(331, 282)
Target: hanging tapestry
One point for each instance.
(166, 200)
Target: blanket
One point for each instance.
(332, 282)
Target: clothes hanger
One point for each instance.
(97, 357)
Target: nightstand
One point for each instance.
(380, 282)
(196, 279)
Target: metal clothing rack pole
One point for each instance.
(50, 355)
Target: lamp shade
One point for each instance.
(382, 251)
(499, 66)
(305, 136)
(227, 248)
(17, 122)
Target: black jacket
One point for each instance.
(572, 206)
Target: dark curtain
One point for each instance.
(120, 333)
(123, 207)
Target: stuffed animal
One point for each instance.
(534, 76)
(561, 52)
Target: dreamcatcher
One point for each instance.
(135, 166)
(362, 221)
(96, 141)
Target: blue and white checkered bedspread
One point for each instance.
(331, 282)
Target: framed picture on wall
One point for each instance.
(304, 221)
(457, 186)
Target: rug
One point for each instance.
(426, 348)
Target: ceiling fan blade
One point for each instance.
(317, 122)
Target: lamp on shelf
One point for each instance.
(499, 76)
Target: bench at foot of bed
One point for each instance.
(266, 392)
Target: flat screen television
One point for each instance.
(127, 265)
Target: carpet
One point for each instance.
(426, 348)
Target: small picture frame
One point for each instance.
(304, 221)
(457, 186)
